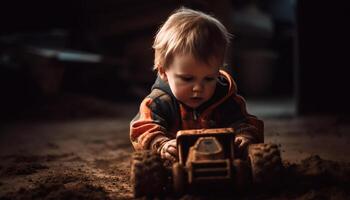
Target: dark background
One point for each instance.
(73, 73)
(292, 51)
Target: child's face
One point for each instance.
(191, 81)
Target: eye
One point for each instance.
(209, 79)
(186, 78)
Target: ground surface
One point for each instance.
(47, 155)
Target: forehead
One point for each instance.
(189, 63)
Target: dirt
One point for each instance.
(61, 186)
(89, 158)
(313, 178)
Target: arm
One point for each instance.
(148, 130)
(248, 126)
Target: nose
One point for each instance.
(198, 87)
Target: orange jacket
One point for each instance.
(161, 115)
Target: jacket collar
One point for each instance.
(161, 85)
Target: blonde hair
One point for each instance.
(191, 32)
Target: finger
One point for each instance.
(243, 144)
(238, 141)
(168, 156)
(172, 150)
(172, 143)
(163, 154)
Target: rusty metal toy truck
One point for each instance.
(207, 161)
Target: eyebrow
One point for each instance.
(180, 75)
(184, 74)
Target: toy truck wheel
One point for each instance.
(266, 164)
(148, 175)
(178, 179)
(242, 177)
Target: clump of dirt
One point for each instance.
(316, 172)
(312, 178)
(64, 186)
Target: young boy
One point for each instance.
(191, 91)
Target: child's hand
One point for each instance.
(242, 142)
(169, 150)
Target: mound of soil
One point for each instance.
(315, 178)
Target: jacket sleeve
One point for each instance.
(247, 125)
(148, 130)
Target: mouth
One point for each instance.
(196, 99)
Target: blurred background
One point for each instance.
(73, 74)
(72, 58)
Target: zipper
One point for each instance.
(195, 115)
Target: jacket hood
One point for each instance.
(225, 87)
(161, 85)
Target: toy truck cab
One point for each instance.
(205, 157)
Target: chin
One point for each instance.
(193, 106)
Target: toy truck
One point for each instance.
(207, 161)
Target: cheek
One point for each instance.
(182, 89)
(210, 88)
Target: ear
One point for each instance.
(162, 74)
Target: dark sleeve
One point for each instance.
(245, 124)
(149, 128)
